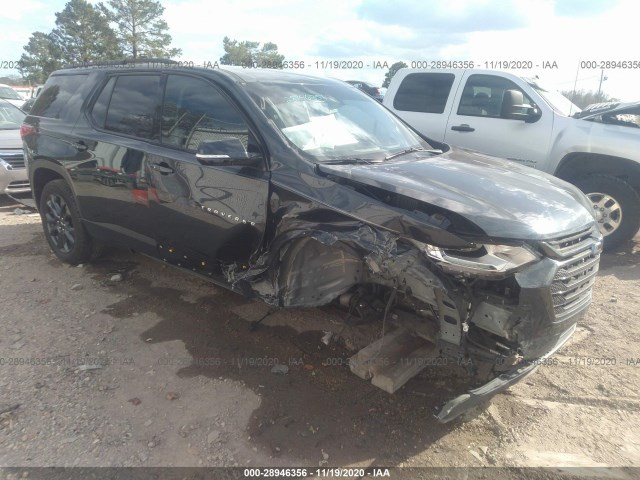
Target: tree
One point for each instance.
(268, 56)
(82, 34)
(41, 57)
(238, 53)
(393, 69)
(141, 32)
(246, 53)
(583, 98)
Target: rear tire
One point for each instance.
(63, 226)
(617, 204)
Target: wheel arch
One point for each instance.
(578, 165)
(41, 176)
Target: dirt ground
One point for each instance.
(127, 362)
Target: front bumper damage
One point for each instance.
(554, 295)
(465, 402)
(521, 318)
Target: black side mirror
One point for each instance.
(514, 108)
(230, 151)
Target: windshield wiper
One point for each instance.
(411, 150)
(351, 160)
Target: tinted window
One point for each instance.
(195, 111)
(134, 105)
(56, 95)
(424, 92)
(482, 96)
(99, 111)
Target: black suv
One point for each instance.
(303, 191)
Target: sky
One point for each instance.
(567, 32)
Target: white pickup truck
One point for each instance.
(517, 118)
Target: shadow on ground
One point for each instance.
(318, 405)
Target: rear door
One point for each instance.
(111, 175)
(476, 122)
(205, 217)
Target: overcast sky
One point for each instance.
(564, 31)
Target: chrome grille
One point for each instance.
(18, 184)
(16, 161)
(578, 257)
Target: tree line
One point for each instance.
(85, 33)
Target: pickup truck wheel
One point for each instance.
(62, 224)
(617, 207)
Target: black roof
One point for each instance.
(234, 73)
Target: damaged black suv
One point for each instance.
(302, 191)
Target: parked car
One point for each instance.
(13, 174)
(520, 119)
(301, 191)
(367, 88)
(8, 94)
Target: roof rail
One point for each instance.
(126, 61)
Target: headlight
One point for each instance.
(487, 260)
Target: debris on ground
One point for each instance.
(8, 407)
(280, 369)
(85, 367)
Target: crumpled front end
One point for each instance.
(548, 300)
(495, 308)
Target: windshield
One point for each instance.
(333, 121)
(10, 117)
(555, 99)
(9, 93)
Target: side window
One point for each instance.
(56, 94)
(135, 103)
(99, 111)
(482, 96)
(424, 92)
(194, 111)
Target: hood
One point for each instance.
(10, 139)
(596, 109)
(502, 198)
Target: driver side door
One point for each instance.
(476, 122)
(206, 216)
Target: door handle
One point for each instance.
(463, 128)
(162, 168)
(81, 146)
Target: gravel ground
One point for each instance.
(97, 369)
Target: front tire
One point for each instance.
(62, 224)
(617, 206)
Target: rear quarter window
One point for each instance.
(54, 99)
(424, 92)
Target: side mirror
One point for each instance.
(514, 108)
(230, 151)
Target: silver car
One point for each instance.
(13, 174)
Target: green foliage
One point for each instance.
(247, 53)
(141, 31)
(393, 69)
(41, 57)
(82, 34)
